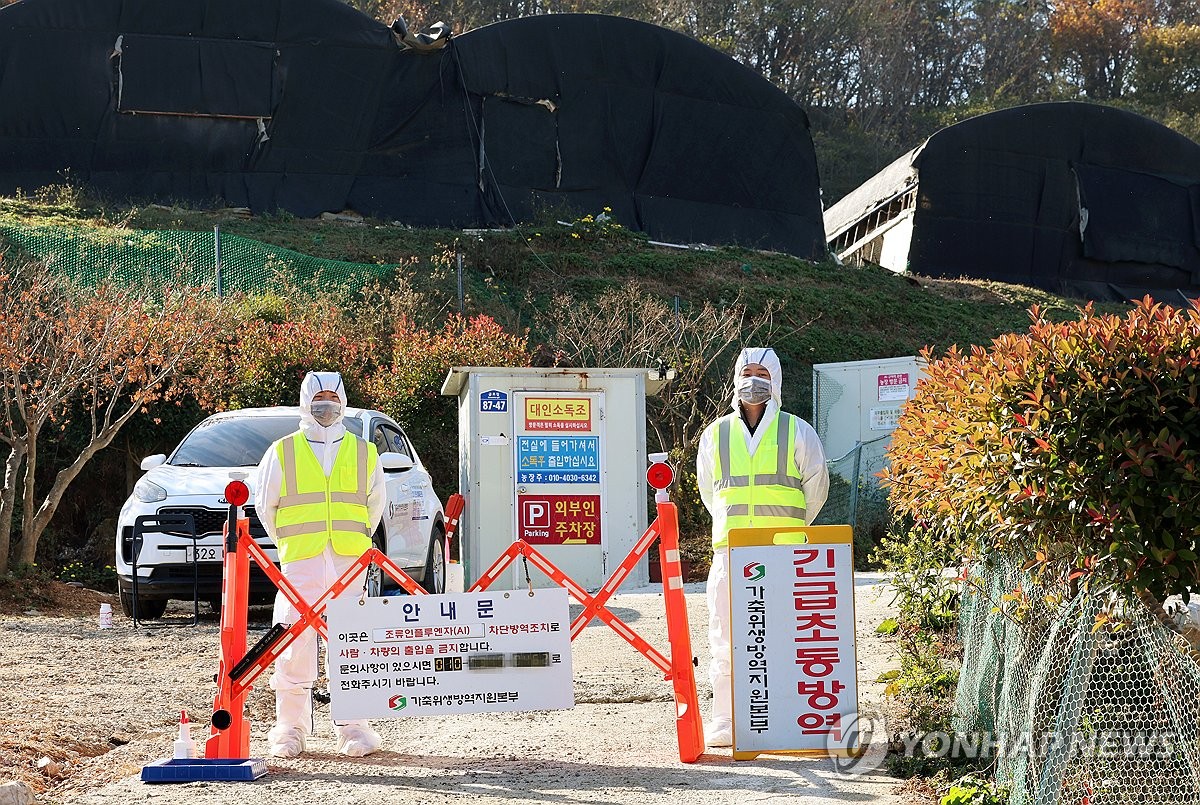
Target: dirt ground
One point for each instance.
(102, 703)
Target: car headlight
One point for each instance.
(148, 491)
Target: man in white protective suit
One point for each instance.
(320, 496)
(756, 467)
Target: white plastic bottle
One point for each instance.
(456, 581)
(185, 747)
(106, 621)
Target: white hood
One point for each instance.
(315, 382)
(769, 361)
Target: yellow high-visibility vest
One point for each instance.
(315, 510)
(760, 491)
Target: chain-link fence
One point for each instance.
(827, 393)
(854, 491)
(1076, 714)
(856, 405)
(856, 498)
(199, 259)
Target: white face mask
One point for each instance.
(326, 412)
(753, 390)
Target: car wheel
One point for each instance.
(435, 564)
(147, 608)
(376, 582)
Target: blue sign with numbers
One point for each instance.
(493, 401)
(558, 460)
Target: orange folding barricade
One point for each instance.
(239, 667)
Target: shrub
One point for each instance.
(1073, 447)
(24, 586)
(915, 560)
(90, 576)
(973, 789)
(695, 523)
(925, 681)
(281, 339)
(420, 358)
(599, 229)
(408, 388)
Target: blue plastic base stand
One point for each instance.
(187, 770)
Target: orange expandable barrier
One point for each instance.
(238, 668)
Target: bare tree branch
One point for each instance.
(110, 350)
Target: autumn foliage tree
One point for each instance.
(1074, 448)
(108, 352)
(1094, 40)
(37, 380)
(1167, 68)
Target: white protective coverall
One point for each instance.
(296, 668)
(809, 457)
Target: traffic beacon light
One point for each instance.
(237, 493)
(660, 475)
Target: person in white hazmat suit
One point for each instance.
(320, 496)
(756, 467)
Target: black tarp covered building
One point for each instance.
(309, 106)
(1075, 198)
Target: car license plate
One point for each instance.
(205, 553)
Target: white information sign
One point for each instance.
(795, 683)
(425, 655)
(885, 418)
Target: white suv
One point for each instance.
(192, 481)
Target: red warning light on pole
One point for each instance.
(660, 475)
(237, 493)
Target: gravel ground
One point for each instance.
(102, 703)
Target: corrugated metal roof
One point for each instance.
(872, 194)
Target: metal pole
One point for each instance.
(217, 257)
(458, 256)
(858, 446)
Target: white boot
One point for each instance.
(285, 741)
(718, 733)
(293, 722)
(719, 730)
(357, 738)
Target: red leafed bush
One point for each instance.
(387, 360)
(279, 340)
(421, 358)
(408, 387)
(1074, 446)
